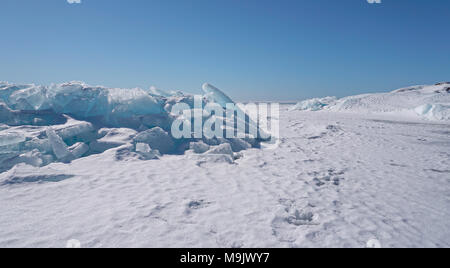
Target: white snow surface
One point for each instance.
(425, 102)
(378, 172)
(336, 180)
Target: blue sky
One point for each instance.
(252, 49)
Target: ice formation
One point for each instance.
(315, 104)
(63, 122)
(425, 102)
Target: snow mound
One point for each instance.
(63, 122)
(425, 102)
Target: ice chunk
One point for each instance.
(79, 149)
(146, 152)
(315, 104)
(157, 138)
(30, 98)
(8, 138)
(158, 92)
(239, 144)
(60, 149)
(224, 148)
(75, 129)
(143, 148)
(214, 94)
(33, 158)
(126, 103)
(6, 114)
(109, 138)
(199, 147)
(116, 135)
(140, 151)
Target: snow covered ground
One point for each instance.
(338, 178)
(431, 102)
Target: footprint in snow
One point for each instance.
(196, 204)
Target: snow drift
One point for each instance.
(425, 102)
(62, 122)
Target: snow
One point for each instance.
(371, 168)
(336, 180)
(424, 102)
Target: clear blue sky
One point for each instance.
(252, 49)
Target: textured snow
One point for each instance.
(335, 180)
(366, 168)
(425, 102)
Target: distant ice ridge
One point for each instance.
(62, 122)
(425, 102)
(315, 104)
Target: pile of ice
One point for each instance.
(315, 104)
(425, 102)
(62, 122)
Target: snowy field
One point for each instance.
(345, 172)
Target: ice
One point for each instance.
(146, 152)
(214, 94)
(143, 148)
(199, 147)
(116, 135)
(73, 120)
(31, 98)
(43, 145)
(60, 149)
(239, 144)
(315, 104)
(115, 107)
(8, 138)
(157, 139)
(224, 148)
(434, 111)
(154, 91)
(33, 158)
(79, 149)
